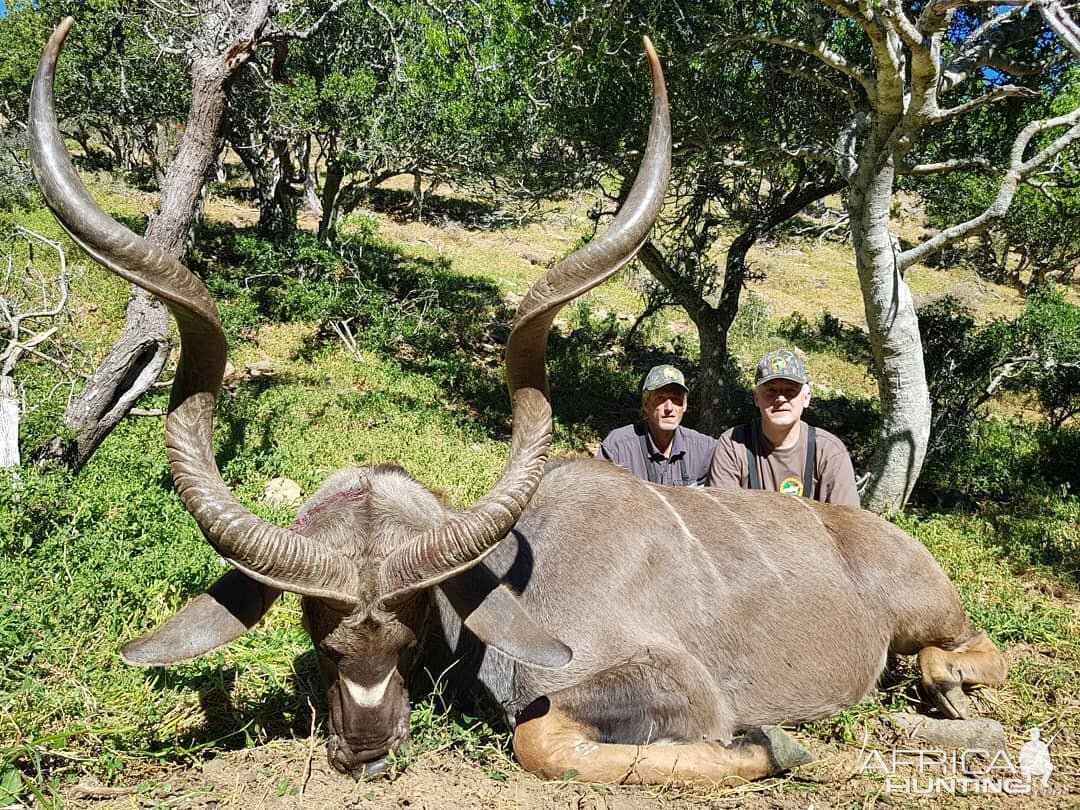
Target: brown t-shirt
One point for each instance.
(783, 470)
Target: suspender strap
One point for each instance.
(811, 458)
(751, 458)
(649, 469)
(682, 469)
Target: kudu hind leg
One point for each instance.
(946, 672)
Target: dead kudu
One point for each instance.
(693, 615)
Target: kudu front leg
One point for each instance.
(632, 725)
(553, 746)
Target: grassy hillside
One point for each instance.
(93, 560)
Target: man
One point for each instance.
(659, 449)
(782, 453)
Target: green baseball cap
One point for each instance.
(659, 376)
(780, 365)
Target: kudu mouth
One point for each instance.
(361, 735)
(278, 557)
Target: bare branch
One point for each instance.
(998, 94)
(819, 51)
(277, 33)
(1061, 23)
(986, 47)
(817, 77)
(38, 286)
(909, 32)
(954, 165)
(1018, 171)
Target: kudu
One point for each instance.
(693, 614)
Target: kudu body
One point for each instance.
(692, 614)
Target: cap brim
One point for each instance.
(772, 377)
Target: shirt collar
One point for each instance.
(676, 443)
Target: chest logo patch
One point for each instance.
(792, 485)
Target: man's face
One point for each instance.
(781, 402)
(664, 407)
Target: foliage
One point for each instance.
(1037, 241)
(115, 87)
(961, 358)
(1034, 354)
(392, 88)
(1049, 333)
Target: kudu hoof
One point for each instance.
(784, 752)
(949, 699)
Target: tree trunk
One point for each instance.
(894, 339)
(311, 180)
(713, 381)
(335, 173)
(138, 358)
(9, 423)
(712, 414)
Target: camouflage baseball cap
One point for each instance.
(659, 376)
(780, 365)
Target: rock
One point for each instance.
(282, 492)
(260, 368)
(978, 734)
(533, 259)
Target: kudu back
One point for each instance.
(692, 615)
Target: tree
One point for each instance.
(913, 70)
(731, 185)
(429, 90)
(218, 39)
(1038, 239)
(872, 86)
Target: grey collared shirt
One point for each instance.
(688, 465)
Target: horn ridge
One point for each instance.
(267, 553)
(466, 537)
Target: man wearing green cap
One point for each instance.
(659, 449)
(782, 453)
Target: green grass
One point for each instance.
(91, 561)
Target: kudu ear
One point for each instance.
(494, 613)
(228, 609)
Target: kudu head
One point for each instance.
(367, 546)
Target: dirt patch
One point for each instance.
(294, 773)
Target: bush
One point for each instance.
(960, 359)
(1049, 333)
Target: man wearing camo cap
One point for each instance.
(659, 449)
(782, 453)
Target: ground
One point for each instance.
(294, 773)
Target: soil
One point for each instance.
(295, 773)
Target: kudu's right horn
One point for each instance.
(275, 556)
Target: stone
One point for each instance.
(260, 368)
(977, 734)
(282, 492)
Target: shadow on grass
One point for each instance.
(284, 711)
(441, 716)
(472, 215)
(827, 334)
(453, 328)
